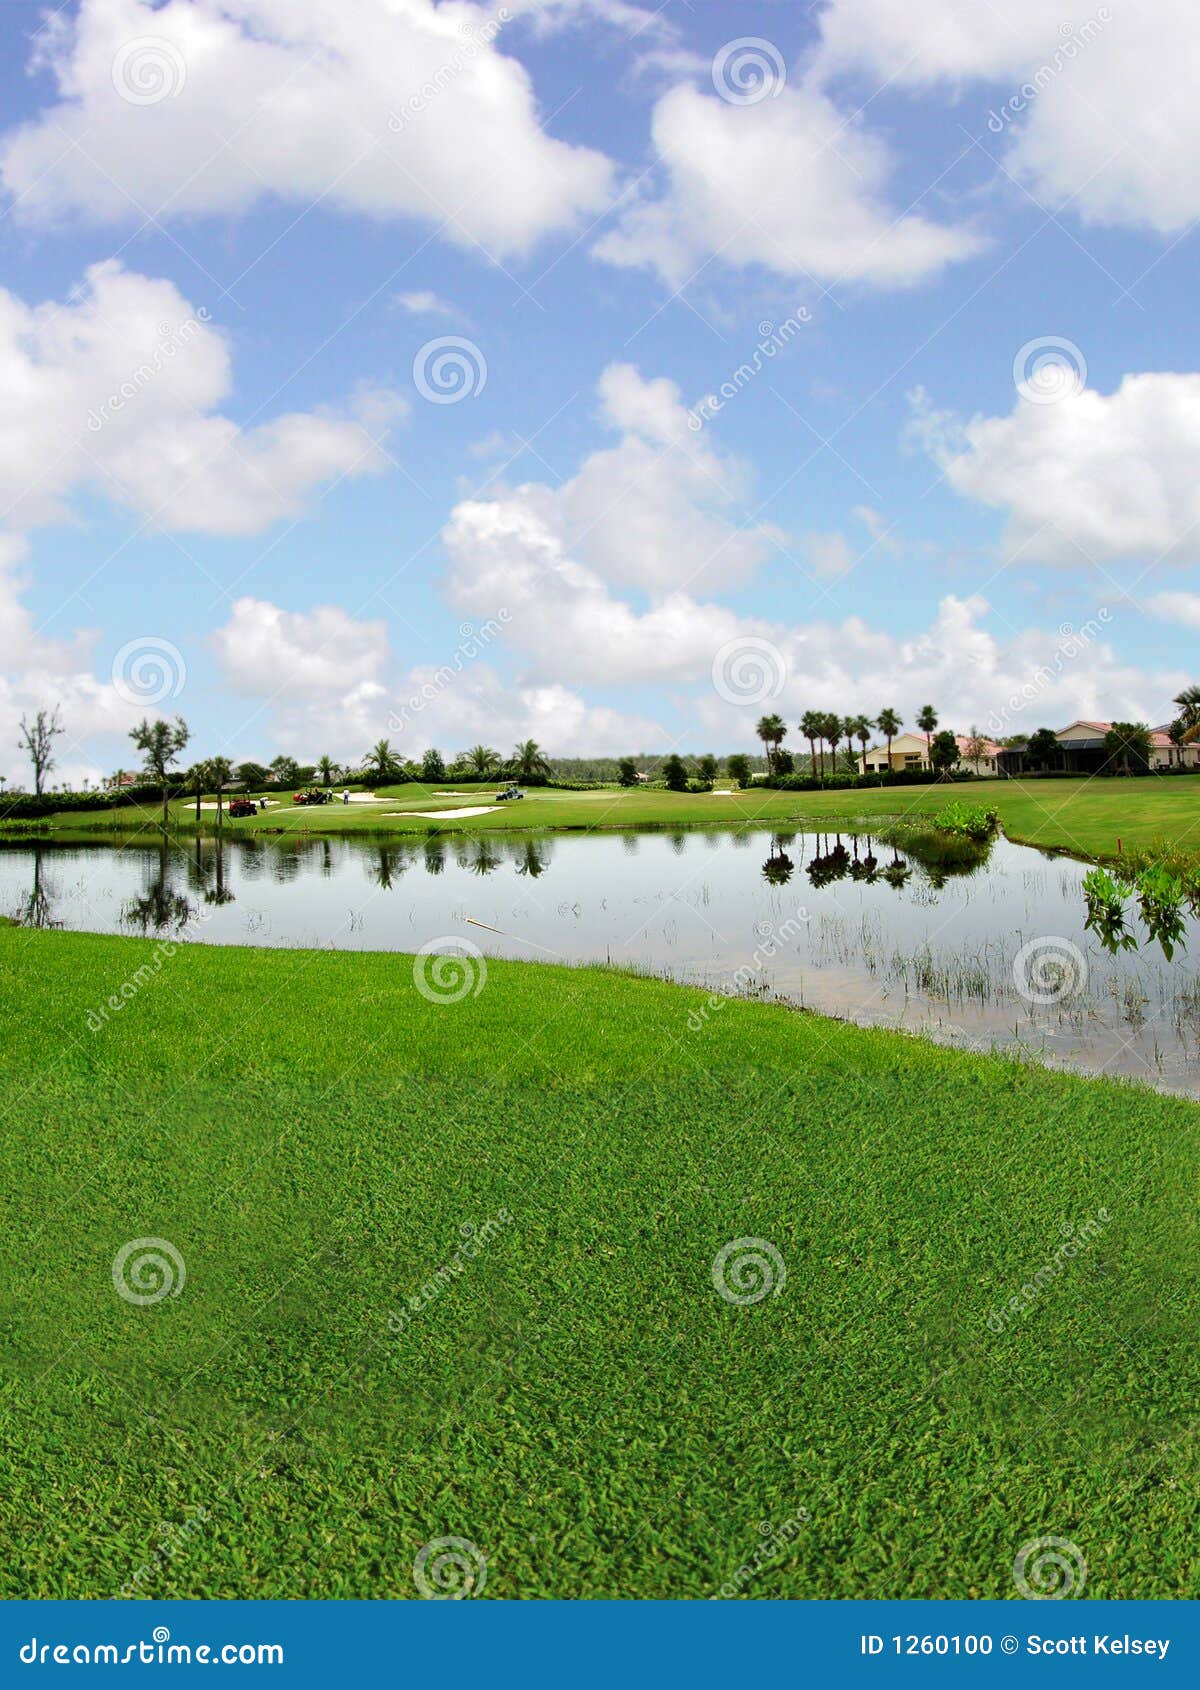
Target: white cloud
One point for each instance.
(1101, 109)
(314, 653)
(1180, 609)
(657, 510)
(404, 108)
(425, 304)
(325, 681)
(788, 183)
(117, 390)
(1092, 476)
(37, 673)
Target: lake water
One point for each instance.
(843, 924)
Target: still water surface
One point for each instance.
(996, 959)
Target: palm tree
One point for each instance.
(380, 760)
(860, 727)
(1188, 702)
(889, 723)
(197, 777)
(481, 761)
(927, 721)
(772, 730)
(529, 761)
(327, 769)
(220, 773)
(1177, 733)
(810, 727)
(833, 733)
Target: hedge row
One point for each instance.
(841, 783)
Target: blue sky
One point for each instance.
(232, 231)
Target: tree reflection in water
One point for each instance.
(160, 908)
(35, 909)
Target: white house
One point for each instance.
(911, 751)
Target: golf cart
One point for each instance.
(311, 795)
(239, 807)
(510, 792)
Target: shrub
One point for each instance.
(970, 821)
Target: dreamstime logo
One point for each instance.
(1073, 40)
(1049, 1568)
(1072, 643)
(748, 71)
(148, 670)
(450, 1568)
(146, 1270)
(748, 670)
(743, 978)
(477, 37)
(170, 343)
(748, 1269)
(774, 1541)
(1073, 1241)
(1049, 969)
(1050, 369)
(474, 641)
(448, 970)
(147, 70)
(448, 369)
(773, 339)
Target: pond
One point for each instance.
(997, 958)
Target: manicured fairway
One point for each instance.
(1085, 817)
(312, 1135)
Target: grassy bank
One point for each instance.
(1086, 817)
(312, 1135)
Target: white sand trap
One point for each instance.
(722, 792)
(440, 815)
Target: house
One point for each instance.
(1084, 753)
(1083, 748)
(911, 751)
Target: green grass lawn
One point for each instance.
(1085, 817)
(312, 1135)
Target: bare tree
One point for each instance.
(37, 738)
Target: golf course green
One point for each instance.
(635, 1292)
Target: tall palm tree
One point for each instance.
(1177, 734)
(861, 727)
(327, 769)
(833, 733)
(889, 723)
(198, 778)
(1188, 702)
(481, 761)
(380, 760)
(772, 730)
(528, 761)
(810, 727)
(927, 721)
(220, 773)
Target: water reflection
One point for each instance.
(884, 939)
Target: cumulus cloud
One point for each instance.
(788, 183)
(208, 106)
(565, 624)
(40, 673)
(117, 390)
(657, 510)
(326, 681)
(1098, 112)
(1091, 476)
